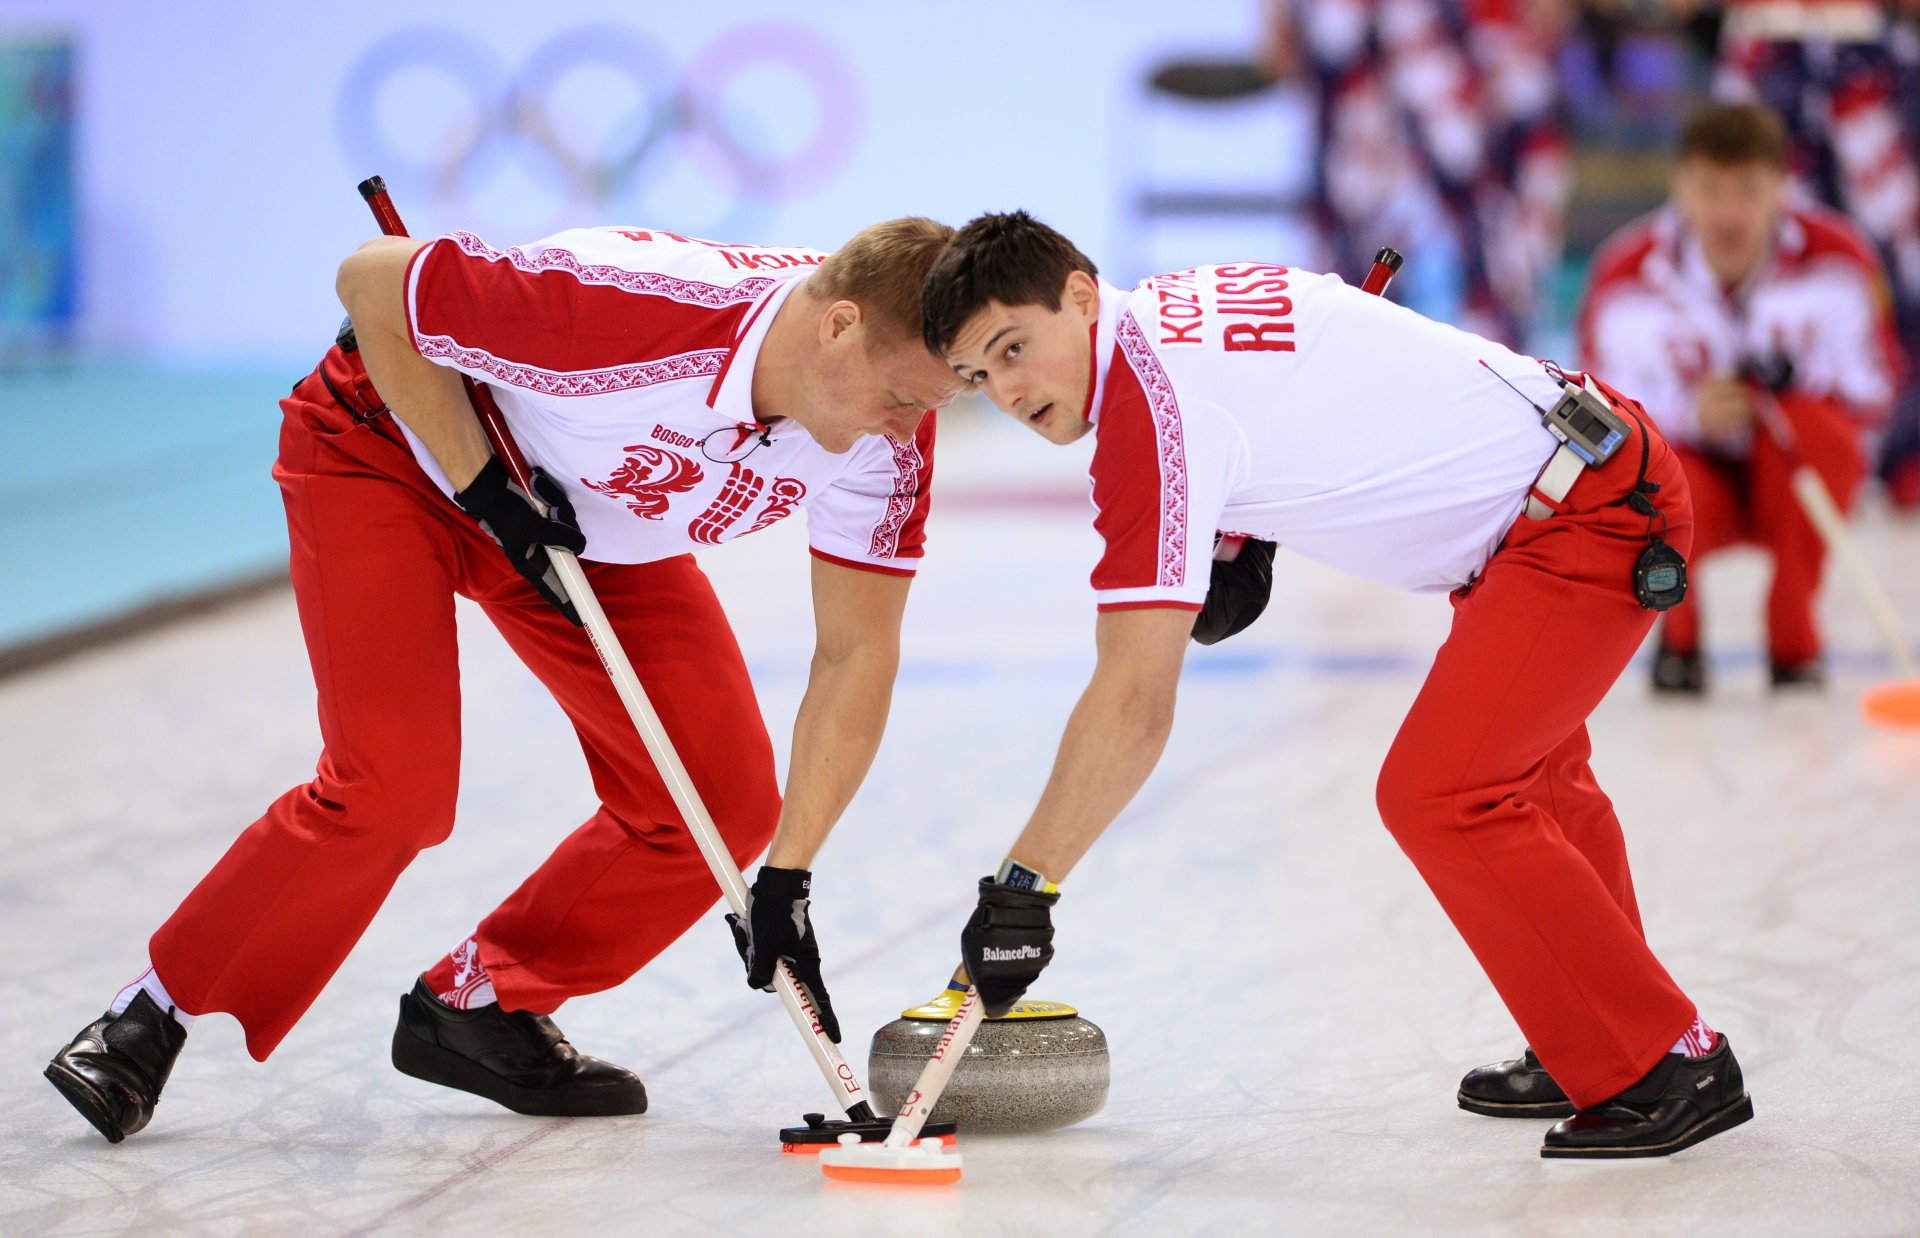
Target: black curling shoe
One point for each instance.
(1679, 674)
(511, 1057)
(1797, 676)
(1517, 1088)
(1682, 1101)
(112, 1072)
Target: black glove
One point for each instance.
(1237, 593)
(1774, 373)
(509, 517)
(1007, 942)
(776, 927)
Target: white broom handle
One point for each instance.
(826, 1055)
(1825, 514)
(946, 1058)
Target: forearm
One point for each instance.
(835, 736)
(430, 399)
(1112, 742)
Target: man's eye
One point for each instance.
(1013, 350)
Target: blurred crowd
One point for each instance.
(1461, 122)
(1735, 189)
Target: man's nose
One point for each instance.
(1004, 393)
(905, 425)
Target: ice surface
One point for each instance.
(1288, 1010)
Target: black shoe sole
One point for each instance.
(1706, 1128)
(84, 1097)
(1532, 1109)
(433, 1064)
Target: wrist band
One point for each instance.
(1018, 876)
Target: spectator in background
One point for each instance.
(1844, 76)
(1754, 326)
(1439, 119)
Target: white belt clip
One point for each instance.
(1550, 488)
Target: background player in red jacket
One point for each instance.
(1844, 76)
(677, 393)
(1283, 405)
(1756, 328)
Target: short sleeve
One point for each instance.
(1853, 357)
(1636, 341)
(1160, 481)
(546, 319)
(874, 517)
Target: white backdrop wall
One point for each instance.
(220, 141)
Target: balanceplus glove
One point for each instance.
(508, 515)
(1008, 941)
(776, 927)
(1237, 593)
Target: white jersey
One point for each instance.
(1657, 322)
(622, 360)
(1275, 402)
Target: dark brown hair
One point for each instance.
(881, 270)
(1013, 259)
(1735, 133)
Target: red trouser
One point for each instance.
(1752, 500)
(1488, 791)
(377, 556)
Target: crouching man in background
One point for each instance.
(1758, 331)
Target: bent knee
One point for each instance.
(411, 809)
(1411, 801)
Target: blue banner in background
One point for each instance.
(37, 215)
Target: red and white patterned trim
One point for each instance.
(906, 488)
(1170, 442)
(702, 364)
(650, 283)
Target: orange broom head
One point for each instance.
(925, 1163)
(1895, 706)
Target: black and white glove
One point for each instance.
(1007, 943)
(1237, 593)
(508, 515)
(776, 927)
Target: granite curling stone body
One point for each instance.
(1039, 1067)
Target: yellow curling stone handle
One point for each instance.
(945, 1005)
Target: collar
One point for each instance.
(731, 394)
(1113, 303)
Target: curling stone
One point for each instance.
(1038, 1067)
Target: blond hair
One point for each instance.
(881, 269)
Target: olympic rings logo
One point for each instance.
(601, 117)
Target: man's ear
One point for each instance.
(1081, 295)
(840, 318)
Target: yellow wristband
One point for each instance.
(1020, 877)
